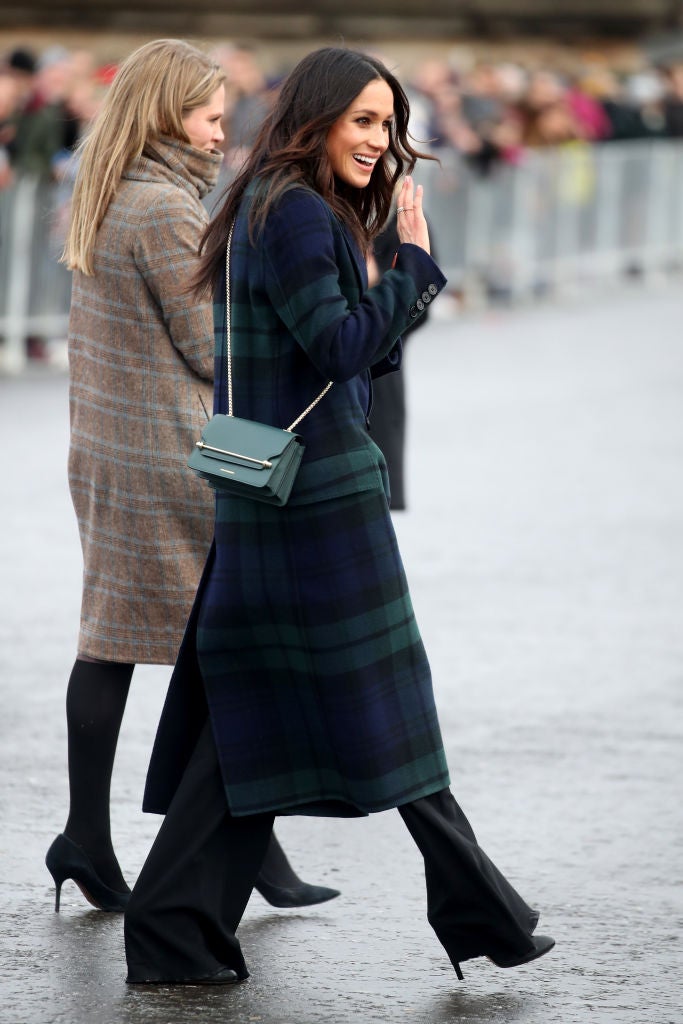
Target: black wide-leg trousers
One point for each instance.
(185, 907)
(184, 911)
(471, 906)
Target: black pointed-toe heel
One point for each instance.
(542, 944)
(301, 895)
(65, 859)
(279, 884)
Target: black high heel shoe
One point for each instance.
(542, 944)
(280, 885)
(301, 895)
(65, 859)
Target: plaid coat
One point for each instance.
(140, 354)
(302, 642)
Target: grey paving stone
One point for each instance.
(544, 545)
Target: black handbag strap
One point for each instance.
(228, 345)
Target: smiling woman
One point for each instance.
(361, 135)
(302, 685)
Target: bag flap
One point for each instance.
(238, 439)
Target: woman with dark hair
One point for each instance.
(302, 685)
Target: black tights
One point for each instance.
(95, 702)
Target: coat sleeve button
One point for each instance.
(413, 312)
(420, 304)
(433, 290)
(426, 297)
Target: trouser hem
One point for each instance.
(142, 975)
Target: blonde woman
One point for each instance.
(141, 364)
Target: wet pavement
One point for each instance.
(544, 546)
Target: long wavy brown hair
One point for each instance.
(291, 149)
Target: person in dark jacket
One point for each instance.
(388, 416)
(302, 685)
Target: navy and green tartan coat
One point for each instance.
(302, 643)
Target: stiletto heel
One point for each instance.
(59, 874)
(65, 859)
(458, 973)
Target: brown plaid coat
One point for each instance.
(140, 354)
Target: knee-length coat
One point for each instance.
(140, 356)
(302, 642)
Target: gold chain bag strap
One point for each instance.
(244, 457)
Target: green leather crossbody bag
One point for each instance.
(244, 457)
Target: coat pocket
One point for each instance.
(363, 469)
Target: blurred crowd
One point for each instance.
(488, 112)
(477, 116)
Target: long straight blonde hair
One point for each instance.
(155, 87)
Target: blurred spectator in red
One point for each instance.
(588, 112)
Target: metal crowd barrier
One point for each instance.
(35, 288)
(573, 216)
(576, 216)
